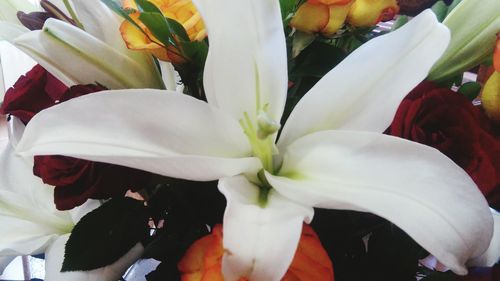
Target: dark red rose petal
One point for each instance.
(447, 121)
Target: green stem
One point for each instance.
(73, 14)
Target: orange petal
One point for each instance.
(193, 260)
(129, 4)
(338, 14)
(311, 262)
(311, 17)
(370, 12)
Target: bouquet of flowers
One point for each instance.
(251, 139)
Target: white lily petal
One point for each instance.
(9, 31)
(28, 216)
(168, 74)
(54, 258)
(473, 25)
(246, 67)
(91, 59)
(492, 255)
(412, 185)
(9, 9)
(4, 262)
(15, 128)
(14, 64)
(364, 91)
(98, 20)
(159, 131)
(259, 243)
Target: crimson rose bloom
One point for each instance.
(448, 121)
(75, 180)
(33, 92)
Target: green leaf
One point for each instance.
(196, 51)
(146, 6)
(157, 24)
(115, 6)
(441, 276)
(453, 5)
(400, 21)
(106, 234)
(317, 59)
(471, 90)
(440, 9)
(287, 7)
(176, 28)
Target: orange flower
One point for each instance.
(203, 260)
(371, 12)
(317, 16)
(183, 11)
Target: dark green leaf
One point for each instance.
(146, 6)
(453, 5)
(157, 24)
(471, 90)
(400, 21)
(441, 276)
(197, 52)
(115, 6)
(440, 9)
(287, 7)
(177, 29)
(106, 234)
(317, 59)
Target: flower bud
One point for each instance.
(473, 25)
(370, 12)
(317, 16)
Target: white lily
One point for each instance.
(96, 55)
(32, 225)
(331, 153)
(472, 40)
(9, 8)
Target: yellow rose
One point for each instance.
(491, 92)
(203, 260)
(321, 16)
(370, 12)
(183, 11)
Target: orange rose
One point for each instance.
(321, 16)
(182, 11)
(371, 12)
(203, 260)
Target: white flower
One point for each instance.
(94, 55)
(31, 224)
(331, 152)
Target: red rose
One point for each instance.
(75, 180)
(448, 121)
(33, 92)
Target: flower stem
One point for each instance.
(73, 14)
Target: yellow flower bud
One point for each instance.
(183, 11)
(370, 12)
(316, 17)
